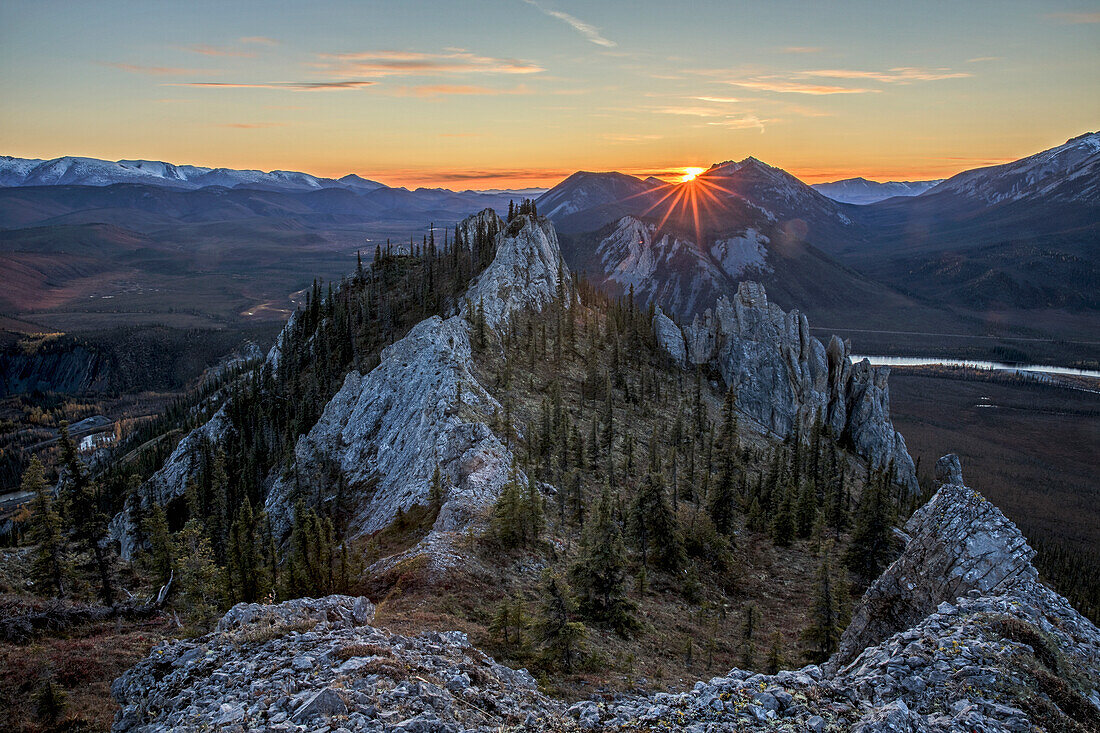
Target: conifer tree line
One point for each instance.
(655, 484)
(216, 544)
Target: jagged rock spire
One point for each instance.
(785, 378)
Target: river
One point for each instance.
(904, 361)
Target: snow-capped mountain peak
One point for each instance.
(1068, 172)
(77, 171)
(862, 191)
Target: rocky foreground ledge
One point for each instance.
(985, 647)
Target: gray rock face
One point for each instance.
(422, 406)
(170, 482)
(525, 271)
(949, 470)
(785, 378)
(670, 337)
(959, 542)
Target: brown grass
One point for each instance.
(83, 664)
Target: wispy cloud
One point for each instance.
(589, 31)
(803, 49)
(718, 100)
(897, 75)
(980, 59)
(156, 70)
(747, 122)
(1075, 18)
(439, 90)
(475, 174)
(691, 111)
(293, 86)
(766, 84)
(207, 50)
(416, 63)
(627, 138)
(259, 40)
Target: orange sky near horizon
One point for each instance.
(517, 93)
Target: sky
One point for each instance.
(506, 93)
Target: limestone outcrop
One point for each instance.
(958, 542)
(785, 378)
(527, 271)
(317, 664)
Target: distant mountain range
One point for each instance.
(75, 171)
(862, 191)
(93, 244)
(1010, 239)
(1020, 235)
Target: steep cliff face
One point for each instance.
(785, 378)
(979, 645)
(76, 370)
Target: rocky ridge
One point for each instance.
(786, 379)
(423, 407)
(1005, 654)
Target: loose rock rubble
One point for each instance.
(316, 665)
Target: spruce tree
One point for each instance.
(87, 519)
(825, 628)
(599, 573)
(749, 624)
(805, 510)
(198, 575)
(783, 524)
(245, 568)
(49, 564)
(872, 537)
(510, 624)
(560, 637)
(654, 527)
(436, 492)
(507, 522)
(533, 514)
(161, 558)
(775, 659)
(721, 506)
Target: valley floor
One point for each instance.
(1033, 449)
